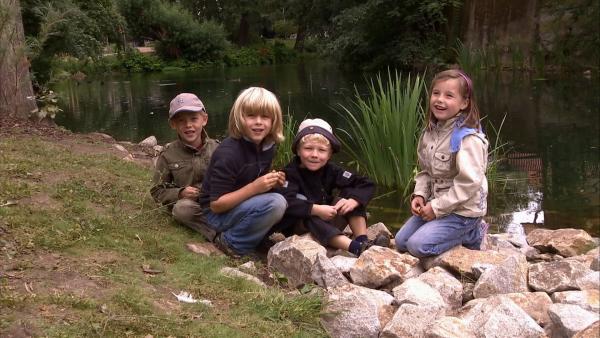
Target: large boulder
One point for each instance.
(535, 304)
(592, 331)
(500, 317)
(380, 266)
(556, 276)
(411, 320)
(510, 276)
(569, 319)
(354, 311)
(449, 287)
(566, 242)
(586, 299)
(449, 327)
(589, 281)
(326, 274)
(460, 260)
(343, 263)
(294, 257)
(417, 292)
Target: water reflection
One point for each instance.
(551, 127)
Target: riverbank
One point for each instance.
(85, 252)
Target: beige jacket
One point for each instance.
(452, 182)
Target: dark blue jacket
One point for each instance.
(234, 164)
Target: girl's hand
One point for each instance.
(325, 212)
(344, 206)
(417, 203)
(191, 193)
(267, 181)
(427, 213)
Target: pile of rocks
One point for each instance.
(543, 285)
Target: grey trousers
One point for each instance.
(189, 213)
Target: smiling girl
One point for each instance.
(450, 194)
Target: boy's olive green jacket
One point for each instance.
(452, 182)
(179, 166)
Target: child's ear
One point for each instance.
(204, 120)
(465, 104)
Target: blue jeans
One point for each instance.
(244, 226)
(421, 238)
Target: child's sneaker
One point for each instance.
(483, 230)
(222, 245)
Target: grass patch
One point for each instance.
(82, 226)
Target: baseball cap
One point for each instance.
(185, 102)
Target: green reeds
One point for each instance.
(383, 129)
(496, 181)
(284, 150)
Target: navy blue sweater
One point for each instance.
(234, 164)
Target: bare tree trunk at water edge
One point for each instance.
(16, 92)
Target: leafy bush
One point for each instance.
(284, 28)
(136, 62)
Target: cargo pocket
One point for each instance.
(441, 162)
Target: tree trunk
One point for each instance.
(243, 37)
(16, 92)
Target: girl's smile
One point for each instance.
(446, 101)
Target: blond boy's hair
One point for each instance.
(318, 138)
(256, 100)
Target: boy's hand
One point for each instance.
(280, 178)
(427, 213)
(191, 193)
(344, 206)
(417, 203)
(325, 212)
(267, 181)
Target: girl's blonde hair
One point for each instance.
(471, 119)
(257, 101)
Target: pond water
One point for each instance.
(551, 177)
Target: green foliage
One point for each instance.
(403, 34)
(261, 54)
(383, 129)
(47, 102)
(284, 150)
(496, 155)
(284, 28)
(136, 62)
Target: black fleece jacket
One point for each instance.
(321, 186)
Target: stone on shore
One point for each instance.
(354, 311)
(411, 320)
(294, 257)
(566, 242)
(569, 319)
(500, 317)
(326, 274)
(380, 266)
(556, 276)
(510, 276)
(586, 299)
(449, 327)
(449, 287)
(460, 260)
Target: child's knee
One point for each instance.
(417, 248)
(400, 242)
(184, 210)
(278, 203)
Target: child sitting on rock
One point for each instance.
(311, 181)
(181, 165)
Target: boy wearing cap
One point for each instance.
(180, 167)
(309, 190)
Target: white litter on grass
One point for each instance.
(186, 297)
